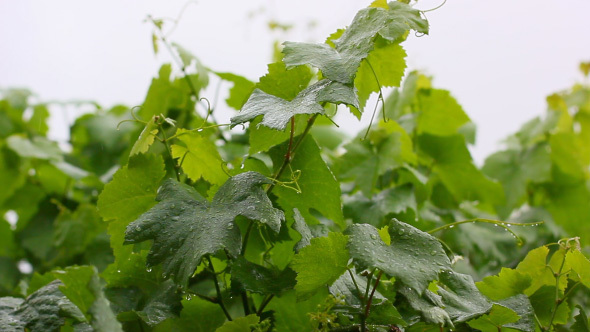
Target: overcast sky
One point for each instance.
(498, 58)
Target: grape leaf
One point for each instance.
(345, 288)
(320, 264)
(341, 63)
(319, 189)
(255, 278)
(493, 322)
(543, 301)
(185, 226)
(429, 306)
(522, 306)
(146, 138)
(461, 298)
(44, 310)
(582, 323)
(278, 111)
(199, 157)
(384, 67)
(507, 283)
(239, 92)
(414, 258)
(240, 324)
(164, 303)
(580, 265)
(37, 147)
(301, 226)
(440, 114)
(389, 201)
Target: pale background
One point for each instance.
(498, 58)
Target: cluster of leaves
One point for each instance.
(161, 219)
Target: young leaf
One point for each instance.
(341, 63)
(414, 258)
(199, 157)
(320, 264)
(278, 111)
(493, 322)
(507, 283)
(185, 226)
(146, 138)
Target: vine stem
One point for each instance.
(264, 303)
(504, 224)
(558, 301)
(370, 300)
(218, 290)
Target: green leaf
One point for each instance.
(162, 304)
(255, 278)
(388, 147)
(319, 189)
(320, 264)
(277, 111)
(507, 283)
(75, 230)
(440, 114)
(241, 324)
(543, 301)
(580, 265)
(534, 265)
(199, 157)
(453, 164)
(295, 318)
(384, 67)
(192, 317)
(582, 323)
(301, 226)
(38, 148)
(515, 169)
(44, 310)
(38, 122)
(389, 201)
(341, 63)
(493, 322)
(133, 188)
(239, 92)
(185, 226)
(146, 138)
(461, 298)
(521, 305)
(414, 258)
(345, 288)
(429, 305)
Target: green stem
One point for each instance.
(504, 224)
(264, 303)
(218, 290)
(363, 314)
(358, 290)
(558, 301)
(370, 300)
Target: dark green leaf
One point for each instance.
(185, 226)
(461, 298)
(259, 279)
(241, 324)
(582, 323)
(414, 258)
(301, 226)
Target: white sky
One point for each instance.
(498, 58)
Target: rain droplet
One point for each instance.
(508, 225)
(230, 225)
(176, 218)
(118, 271)
(149, 269)
(433, 253)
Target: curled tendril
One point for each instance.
(380, 99)
(174, 21)
(435, 8)
(135, 118)
(293, 184)
(225, 168)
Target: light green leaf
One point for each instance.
(493, 322)
(320, 264)
(277, 111)
(580, 265)
(199, 157)
(414, 258)
(440, 113)
(185, 226)
(146, 138)
(534, 265)
(507, 283)
(543, 301)
(384, 66)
